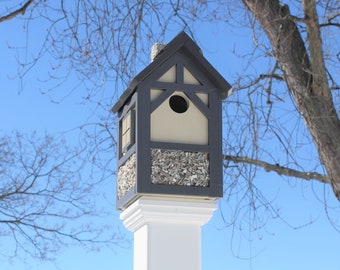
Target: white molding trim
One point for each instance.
(167, 210)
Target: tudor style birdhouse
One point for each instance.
(170, 127)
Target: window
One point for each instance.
(127, 132)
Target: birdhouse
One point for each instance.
(170, 127)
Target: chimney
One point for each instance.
(156, 49)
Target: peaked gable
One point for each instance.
(182, 42)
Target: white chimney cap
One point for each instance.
(156, 49)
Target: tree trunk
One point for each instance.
(305, 76)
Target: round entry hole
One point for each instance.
(178, 104)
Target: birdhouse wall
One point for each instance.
(127, 172)
(168, 125)
(126, 176)
(177, 167)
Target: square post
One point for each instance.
(167, 231)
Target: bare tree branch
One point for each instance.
(43, 195)
(19, 11)
(306, 77)
(281, 170)
(262, 77)
(331, 22)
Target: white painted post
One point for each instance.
(167, 231)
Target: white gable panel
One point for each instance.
(189, 127)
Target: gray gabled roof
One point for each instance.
(181, 42)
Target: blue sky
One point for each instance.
(302, 239)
